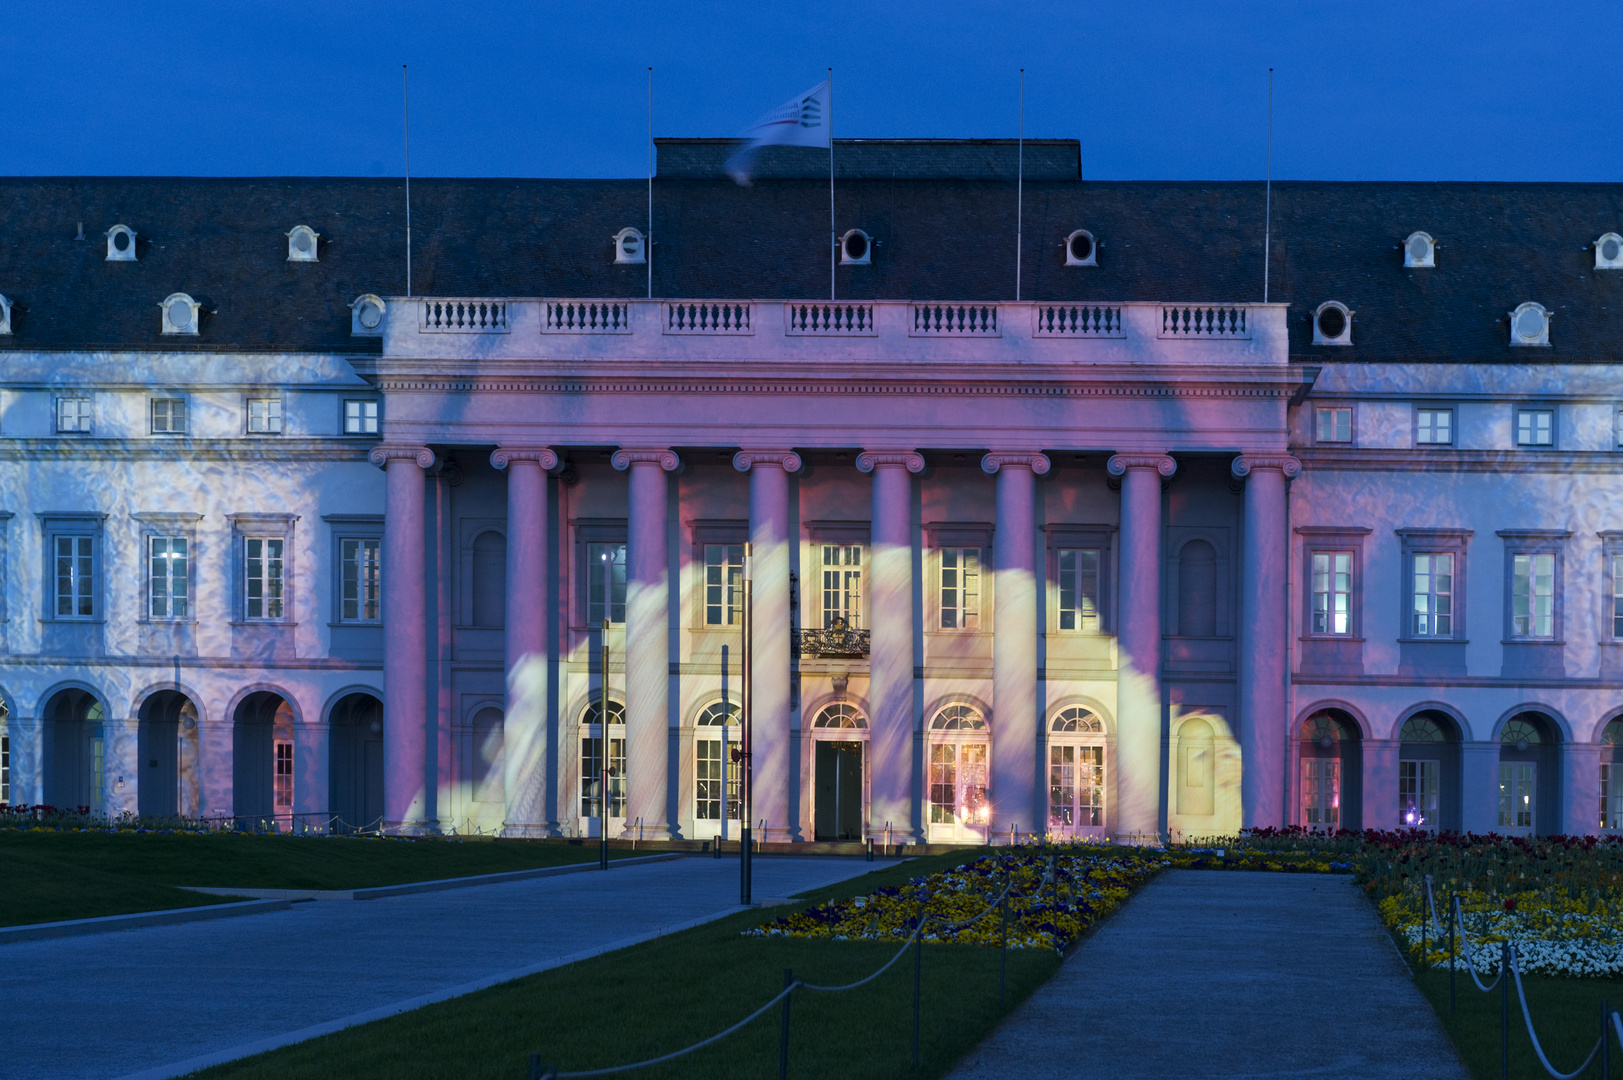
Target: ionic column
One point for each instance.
(1016, 784)
(1262, 644)
(405, 641)
(648, 642)
(770, 747)
(890, 652)
(525, 748)
(1138, 644)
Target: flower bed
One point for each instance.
(1088, 882)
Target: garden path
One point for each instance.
(160, 1001)
(1227, 974)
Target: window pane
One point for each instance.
(1334, 425)
(842, 585)
(723, 584)
(1079, 589)
(605, 583)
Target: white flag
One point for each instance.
(803, 120)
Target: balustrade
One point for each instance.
(1076, 321)
(1203, 322)
(838, 642)
(442, 316)
(954, 320)
(831, 320)
(587, 317)
(707, 317)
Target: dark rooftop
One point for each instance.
(938, 237)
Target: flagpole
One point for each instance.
(648, 241)
(1268, 189)
(405, 112)
(833, 240)
(1020, 186)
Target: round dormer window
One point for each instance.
(121, 241)
(180, 314)
(1610, 249)
(301, 242)
(1529, 323)
(1332, 322)
(1419, 248)
(370, 314)
(1081, 247)
(856, 246)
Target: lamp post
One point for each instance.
(746, 785)
(603, 756)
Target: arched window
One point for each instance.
(840, 715)
(1076, 771)
(958, 718)
(714, 715)
(958, 774)
(1518, 731)
(1078, 720)
(1421, 728)
(1611, 775)
(716, 774)
(1321, 772)
(1197, 590)
(1197, 768)
(1527, 742)
(1420, 768)
(489, 583)
(591, 761)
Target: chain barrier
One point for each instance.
(912, 942)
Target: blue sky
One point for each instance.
(1484, 90)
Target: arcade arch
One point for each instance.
(355, 762)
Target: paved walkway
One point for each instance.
(1231, 974)
(121, 1003)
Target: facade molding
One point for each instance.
(1038, 462)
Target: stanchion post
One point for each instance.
(783, 1039)
(535, 1067)
(918, 963)
(1605, 1041)
(1453, 928)
(1003, 962)
(1504, 1010)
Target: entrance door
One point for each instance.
(839, 791)
(1517, 795)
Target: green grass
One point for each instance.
(78, 875)
(657, 997)
(1566, 1015)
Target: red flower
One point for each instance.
(1510, 905)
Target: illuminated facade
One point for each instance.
(1137, 556)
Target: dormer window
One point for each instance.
(180, 314)
(1530, 324)
(1609, 252)
(121, 244)
(1332, 324)
(1420, 250)
(301, 244)
(366, 316)
(1081, 249)
(630, 246)
(856, 248)
(5, 315)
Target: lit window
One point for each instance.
(1334, 424)
(591, 762)
(265, 416)
(1535, 427)
(75, 577)
(262, 576)
(73, 415)
(284, 778)
(960, 588)
(1079, 589)
(1332, 592)
(842, 586)
(168, 416)
(168, 557)
(360, 417)
(1321, 791)
(1434, 427)
(1433, 595)
(723, 584)
(716, 775)
(1516, 783)
(1417, 794)
(1532, 592)
(363, 592)
(605, 583)
(1617, 596)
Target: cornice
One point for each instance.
(1038, 462)
(541, 455)
(1245, 464)
(788, 459)
(1120, 463)
(1461, 461)
(869, 460)
(385, 453)
(274, 448)
(665, 459)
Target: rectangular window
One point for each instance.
(73, 415)
(167, 560)
(1433, 595)
(1611, 798)
(265, 416)
(842, 586)
(1333, 424)
(168, 416)
(1535, 427)
(361, 417)
(717, 778)
(75, 577)
(723, 584)
(1516, 783)
(1332, 592)
(262, 576)
(5, 768)
(591, 777)
(1417, 793)
(1321, 792)
(1617, 596)
(284, 778)
(1079, 589)
(1532, 591)
(605, 584)
(1434, 427)
(1075, 786)
(362, 579)
(960, 588)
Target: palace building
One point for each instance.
(1114, 548)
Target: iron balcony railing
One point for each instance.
(834, 643)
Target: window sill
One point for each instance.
(1531, 641)
(350, 622)
(70, 620)
(166, 622)
(1359, 638)
(1432, 640)
(263, 622)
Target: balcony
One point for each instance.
(834, 643)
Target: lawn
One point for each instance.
(78, 875)
(653, 998)
(1566, 1015)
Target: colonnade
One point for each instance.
(1018, 786)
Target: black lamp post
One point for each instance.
(745, 869)
(603, 757)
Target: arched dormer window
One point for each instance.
(121, 244)
(181, 314)
(302, 244)
(630, 246)
(856, 248)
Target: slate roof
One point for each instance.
(938, 238)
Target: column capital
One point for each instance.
(1242, 465)
(869, 460)
(744, 459)
(541, 455)
(995, 460)
(1120, 463)
(665, 459)
(384, 453)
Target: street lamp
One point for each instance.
(603, 756)
(746, 780)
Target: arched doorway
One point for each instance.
(1529, 775)
(591, 769)
(5, 754)
(1429, 772)
(1076, 773)
(166, 743)
(959, 747)
(1611, 776)
(717, 796)
(840, 773)
(481, 771)
(355, 763)
(76, 751)
(262, 773)
(1331, 774)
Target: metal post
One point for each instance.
(1425, 936)
(1453, 928)
(747, 793)
(603, 756)
(1605, 1042)
(1504, 1010)
(535, 1067)
(918, 962)
(783, 1038)
(1003, 961)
